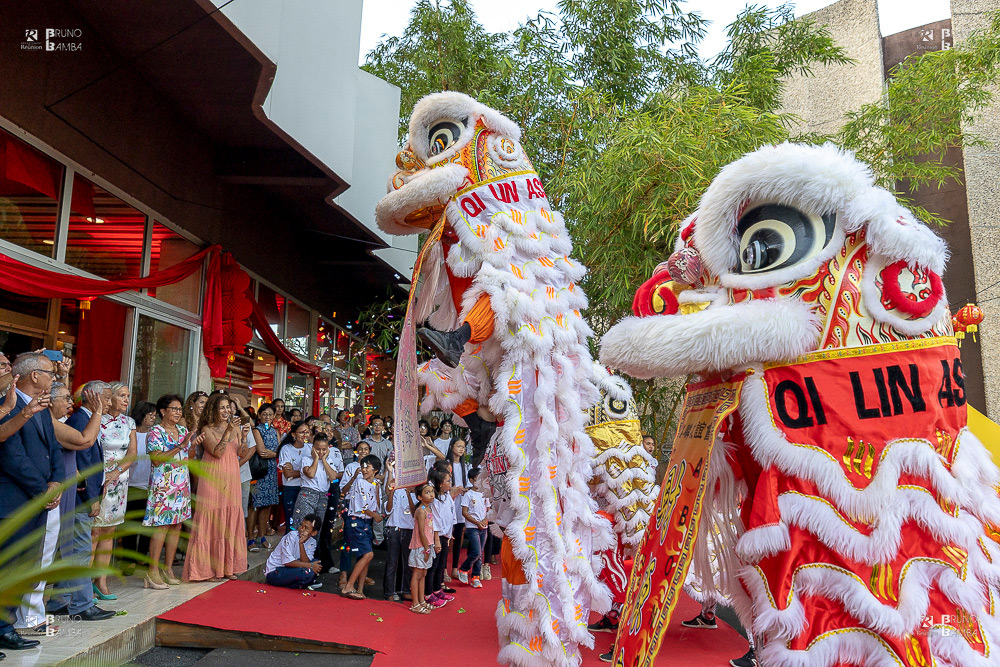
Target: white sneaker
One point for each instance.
(463, 576)
(486, 575)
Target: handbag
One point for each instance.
(258, 467)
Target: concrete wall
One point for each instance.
(982, 168)
(345, 117)
(822, 100)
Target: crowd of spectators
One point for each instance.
(213, 480)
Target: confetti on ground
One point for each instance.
(261, 590)
(461, 610)
(121, 612)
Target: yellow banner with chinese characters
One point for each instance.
(662, 560)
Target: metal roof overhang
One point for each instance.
(217, 79)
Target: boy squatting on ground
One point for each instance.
(291, 564)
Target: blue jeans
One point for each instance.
(474, 559)
(289, 494)
(291, 577)
(74, 547)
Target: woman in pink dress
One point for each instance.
(217, 547)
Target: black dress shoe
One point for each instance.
(2, 655)
(58, 611)
(448, 346)
(16, 642)
(94, 613)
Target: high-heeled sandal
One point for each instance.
(155, 585)
(103, 596)
(173, 581)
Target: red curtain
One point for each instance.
(99, 350)
(21, 278)
(277, 348)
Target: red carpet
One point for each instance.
(463, 632)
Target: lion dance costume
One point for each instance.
(500, 284)
(828, 393)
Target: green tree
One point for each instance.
(627, 127)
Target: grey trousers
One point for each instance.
(74, 547)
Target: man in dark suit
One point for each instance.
(74, 597)
(31, 464)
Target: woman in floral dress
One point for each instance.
(264, 491)
(169, 503)
(117, 438)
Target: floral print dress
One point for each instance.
(264, 491)
(169, 500)
(115, 436)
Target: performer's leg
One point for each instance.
(480, 430)
(448, 346)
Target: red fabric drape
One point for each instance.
(99, 350)
(21, 278)
(277, 348)
(28, 280)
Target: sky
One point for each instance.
(390, 17)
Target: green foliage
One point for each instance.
(906, 136)
(444, 47)
(627, 127)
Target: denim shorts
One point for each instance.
(359, 535)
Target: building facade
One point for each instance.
(973, 235)
(132, 135)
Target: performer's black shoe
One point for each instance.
(747, 660)
(700, 621)
(604, 625)
(447, 346)
(480, 432)
(606, 657)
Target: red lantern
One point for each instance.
(959, 330)
(970, 316)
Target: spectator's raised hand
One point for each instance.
(11, 401)
(94, 398)
(37, 404)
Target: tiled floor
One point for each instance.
(121, 637)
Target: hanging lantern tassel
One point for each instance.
(970, 316)
(959, 330)
(84, 307)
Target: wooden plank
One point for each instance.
(172, 633)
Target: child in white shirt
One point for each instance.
(474, 508)
(291, 564)
(319, 470)
(362, 498)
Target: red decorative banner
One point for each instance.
(850, 402)
(662, 560)
(410, 469)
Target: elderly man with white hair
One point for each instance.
(31, 465)
(81, 502)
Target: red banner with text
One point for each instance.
(662, 560)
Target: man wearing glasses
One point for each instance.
(30, 465)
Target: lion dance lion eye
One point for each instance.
(442, 136)
(775, 236)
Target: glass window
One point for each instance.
(297, 332)
(29, 195)
(169, 249)
(161, 360)
(298, 392)
(326, 340)
(105, 234)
